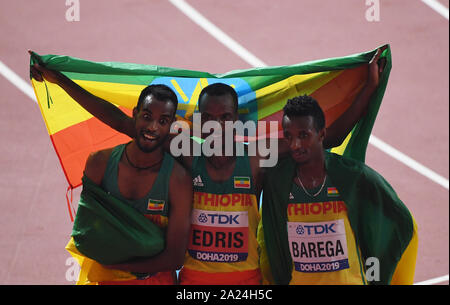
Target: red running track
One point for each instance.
(414, 116)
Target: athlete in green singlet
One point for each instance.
(217, 180)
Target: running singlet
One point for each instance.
(154, 205)
(222, 243)
(321, 241)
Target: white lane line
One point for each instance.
(398, 155)
(251, 59)
(217, 33)
(17, 81)
(438, 7)
(434, 281)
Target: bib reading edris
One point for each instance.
(224, 222)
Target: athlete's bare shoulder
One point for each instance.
(180, 187)
(186, 162)
(258, 171)
(180, 173)
(96, 165)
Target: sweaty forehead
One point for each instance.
(298, 122)
(217, 104)
(150, 103)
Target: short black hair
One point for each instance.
(219, 89)
(305, 105)
(160, 92)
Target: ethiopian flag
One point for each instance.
(242, 182)
(262, 93)
(108, 231)
(382, 225)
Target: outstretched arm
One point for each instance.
(101, 109)
(177, 236)
(337, 131)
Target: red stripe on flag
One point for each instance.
(74, 144)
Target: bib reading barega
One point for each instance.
(318, 246)
(219, 236)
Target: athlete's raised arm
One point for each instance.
(101, 109)
(340, 128)
(336, 132)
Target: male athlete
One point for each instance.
(331, 220)
(150, 180)
(142, 175)
(222, 245)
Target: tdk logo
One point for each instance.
(300, 230)
(202, 218)
(218, 218)
(316, 229)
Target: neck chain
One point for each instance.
(304, 189)
(138, 167)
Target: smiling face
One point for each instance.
(152, 122)
(303, 138)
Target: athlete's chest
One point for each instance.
(135, 184)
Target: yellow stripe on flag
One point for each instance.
(341, 148)
(91, 272)
(125, 95)
(272, 98)
(65, 112)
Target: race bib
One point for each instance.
(218, 236)
(318, 246)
